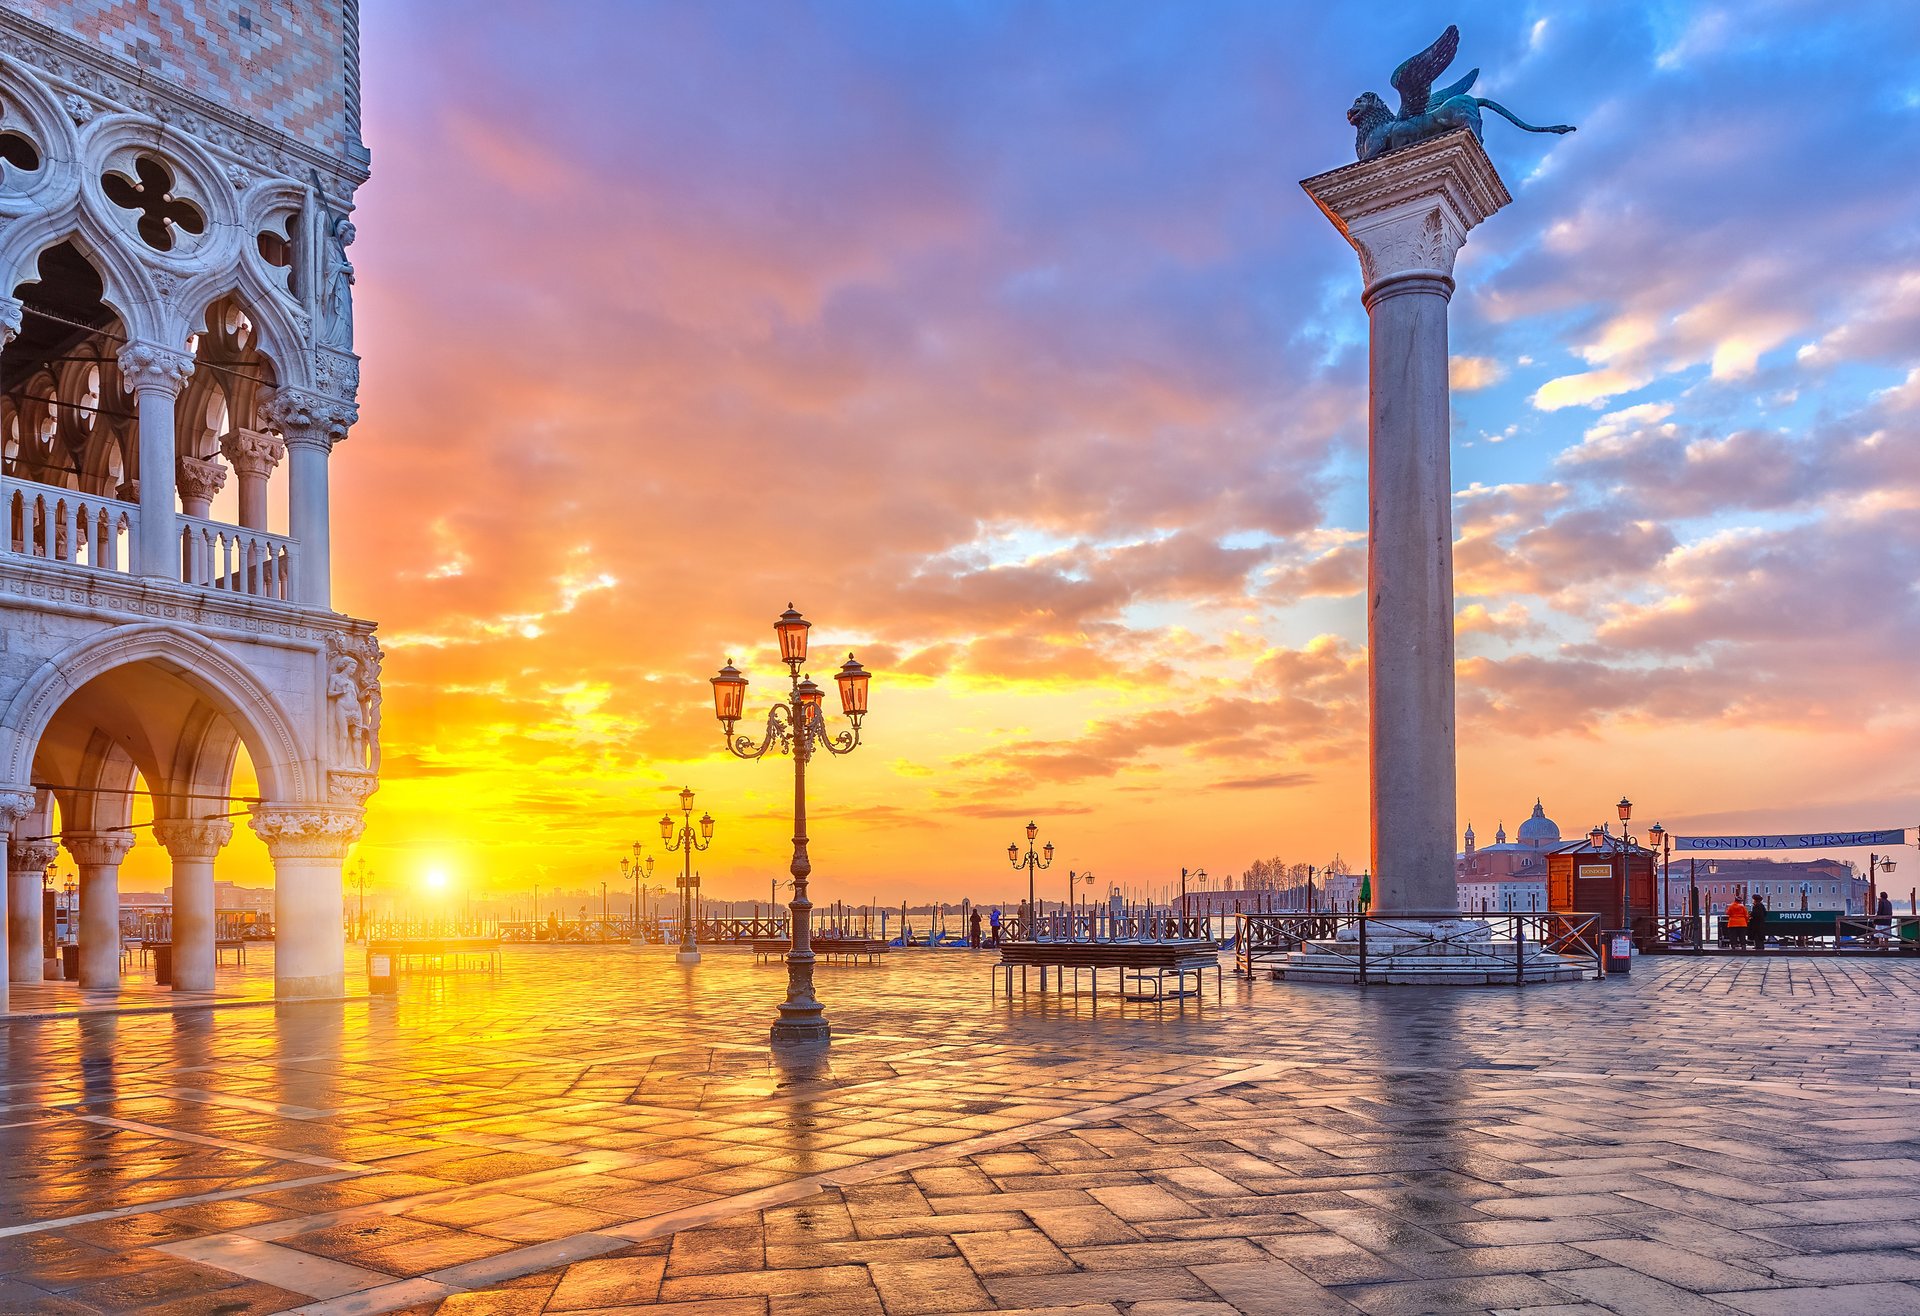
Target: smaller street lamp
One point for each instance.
(639, 870)
(686, 842)
(1033, 861)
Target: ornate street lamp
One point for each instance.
(1663, 845)
(639, 870)
(685, 841)
(1033, 861)
(797, 727)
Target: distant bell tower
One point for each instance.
(177, 182)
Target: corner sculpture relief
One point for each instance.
(353, 705)
(333, 309)
(1425, 113)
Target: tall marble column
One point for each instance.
(26, 937)
(192, 846)
(311, 423)
(1406, 214)
(155, 375)
(309, 844)
(98, 856)
(253, 454)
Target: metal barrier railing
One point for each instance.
(1104, 926)
(1270, 938)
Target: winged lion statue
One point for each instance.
(1426, 113)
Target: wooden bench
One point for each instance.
(825, 948)
(439, 954)
(1143, 964)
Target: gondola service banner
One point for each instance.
(1794, 841)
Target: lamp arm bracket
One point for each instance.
(777, 740)
(820, 738)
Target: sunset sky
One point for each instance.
(1001, 339)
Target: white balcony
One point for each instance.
(64, 525)
(96, 533)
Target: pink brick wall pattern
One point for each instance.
(280, 62)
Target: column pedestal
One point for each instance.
(26, 939)
(309, 847)
(98, 856)
(193, 845)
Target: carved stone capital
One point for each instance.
(12, 315)
(16, 802)
(193, 838)
(145, 366)
(1408, 213)
(31, 856)
(347, 786)
(252, 452)
(303, 417)
(128, 492)
(306, 832)
(200, 478)
(98, 849)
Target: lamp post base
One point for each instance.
(687, 955)
(800, 1032)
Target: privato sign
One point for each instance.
(1794, 841)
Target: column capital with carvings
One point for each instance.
(297, 831)
(193, 838)
(97, 849)
(31, 856)
(199, 478)
(1408, 213)
(252, 452)
(145, 366)
(12, 316)
(303, 417)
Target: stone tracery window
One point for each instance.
(89, 407)
(150, 192)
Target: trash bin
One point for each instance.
(380, 971)
(162, 962)
(70, 962)
(1617, 947)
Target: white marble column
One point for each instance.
(253, 454)
(1407, 213)
(155, 376)
(26, 881)
(311, 423)
(309, 844)
(98, 856)
(192, 846)
(15, 804)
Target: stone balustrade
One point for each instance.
(64, 525)
(236, 560)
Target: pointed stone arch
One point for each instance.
(280, 756)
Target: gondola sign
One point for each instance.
(1794, 841)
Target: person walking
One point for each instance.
(1883, 920)
(1757, 924)
(1735, 922)
(993, 922)
(973, 930)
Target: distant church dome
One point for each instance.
(1539, 829)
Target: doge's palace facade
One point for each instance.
(176, 367)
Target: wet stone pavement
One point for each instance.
(598, 1130)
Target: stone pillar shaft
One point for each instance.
(308, 521)
(1407, 213)
(192, 845)
(97, 856)
(155, 375)
(309, 845)
(26, 937)
(1410, 596)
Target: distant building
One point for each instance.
(1825, 883)
(1508, 876)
